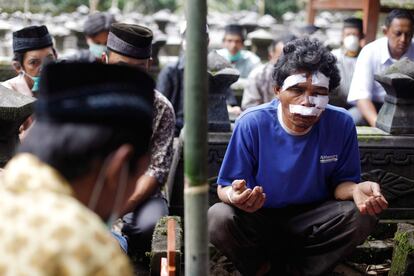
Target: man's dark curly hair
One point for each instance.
(309, 55)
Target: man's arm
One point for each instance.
(368, 111)
(146, 186)
(366, 195)
(161, 154)
(165, 82)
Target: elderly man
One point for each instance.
(131, 44)
(81, 157)
(291, 202)
(375, 58)
(352, 35)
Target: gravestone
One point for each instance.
(14, 109)
(395, 116)
(162, 18)
(221, 76)
(261, 41)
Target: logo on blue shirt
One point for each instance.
(328, 158)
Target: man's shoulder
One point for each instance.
(163, 109)
(259, 114)
(260, 70)
(375, 47)
(248, 55)
(337, 52)
(338, 115)
(161, 100)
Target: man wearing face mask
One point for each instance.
(233, 42)
(31, 46)
(77, 166)
(352, 35)
(96, 30)
(291, 204)
(367, 94)
(131, 44)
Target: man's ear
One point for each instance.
(384, 30)
(150, 61)
(276, 90)
(17, 66)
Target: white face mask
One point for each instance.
(120, 192)
(351, 43)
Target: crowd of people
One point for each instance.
(94, 156)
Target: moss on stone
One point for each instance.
(402, 248)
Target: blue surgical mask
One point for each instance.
(236, 57)
(97, 50)
(35, 80)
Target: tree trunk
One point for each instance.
(195, 141)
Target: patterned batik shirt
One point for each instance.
(46, 231)
(259, 88)
(163, 126)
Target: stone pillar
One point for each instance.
(221, 76)
(396, 114)
(162, 19)
(403, 256)
(14, 109)
(261, 41)
(156, 46)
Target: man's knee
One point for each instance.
(361, 225)
(220, 219)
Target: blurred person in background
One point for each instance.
(367, 94)
(346, 55)
(259, 87)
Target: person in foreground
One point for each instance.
(76, 167)
(292, 201)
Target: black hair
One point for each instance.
(284, 39)
(398, 13)
(72, 149)
(353, 22)
(308, 55)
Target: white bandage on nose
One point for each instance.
(318, 79)
(319, 101)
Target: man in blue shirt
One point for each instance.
(288, 182)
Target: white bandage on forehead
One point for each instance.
(318, 79)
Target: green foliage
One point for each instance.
(275, 8)
(69, 5)
(278, 8)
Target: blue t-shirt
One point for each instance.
(292, 169)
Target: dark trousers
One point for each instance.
(302, 240)
(139, 225)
